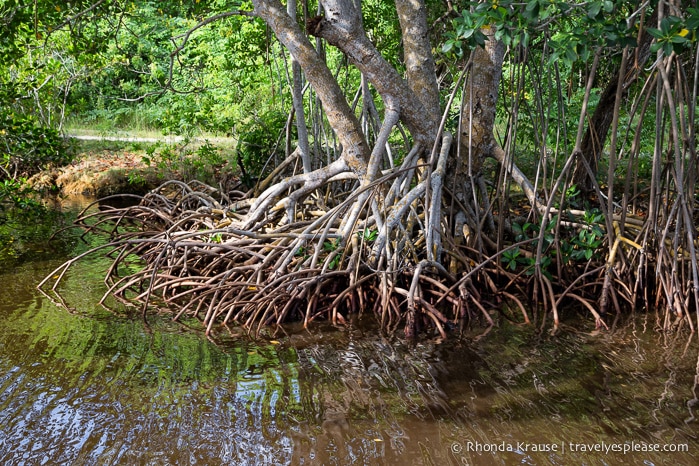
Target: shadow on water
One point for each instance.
(97, 386)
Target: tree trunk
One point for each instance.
(355, 151)
(476, 139)
(297, 98)
(417, 54)
(341, 27)
(597, 131)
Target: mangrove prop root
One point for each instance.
(197, 264)
(184, 248)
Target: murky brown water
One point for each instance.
(96, 386)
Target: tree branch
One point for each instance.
(76, 16)
(341, 27)
(209, 20)
(355, 150)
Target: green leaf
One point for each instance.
(594, 10)
(679, 39)
(693, 19)
(665, 26)
(532, 5)
(531, 11)
(657, 33)
(667, 49)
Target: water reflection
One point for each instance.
(105, 390)
(97, 387)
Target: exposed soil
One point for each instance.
(105, 171)
(99, 173)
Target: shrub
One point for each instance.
(27, 147)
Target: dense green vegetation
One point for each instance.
(125, 66)
(595, 102)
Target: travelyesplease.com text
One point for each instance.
(564, 447)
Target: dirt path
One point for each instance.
(91, 137)
(163, 139)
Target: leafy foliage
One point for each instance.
(258, 141)
(27, 147)
(570, 30)
(206, 163)
(675, 34)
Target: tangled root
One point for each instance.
(198, 258)
(197, 263)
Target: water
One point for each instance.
(96, 386)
